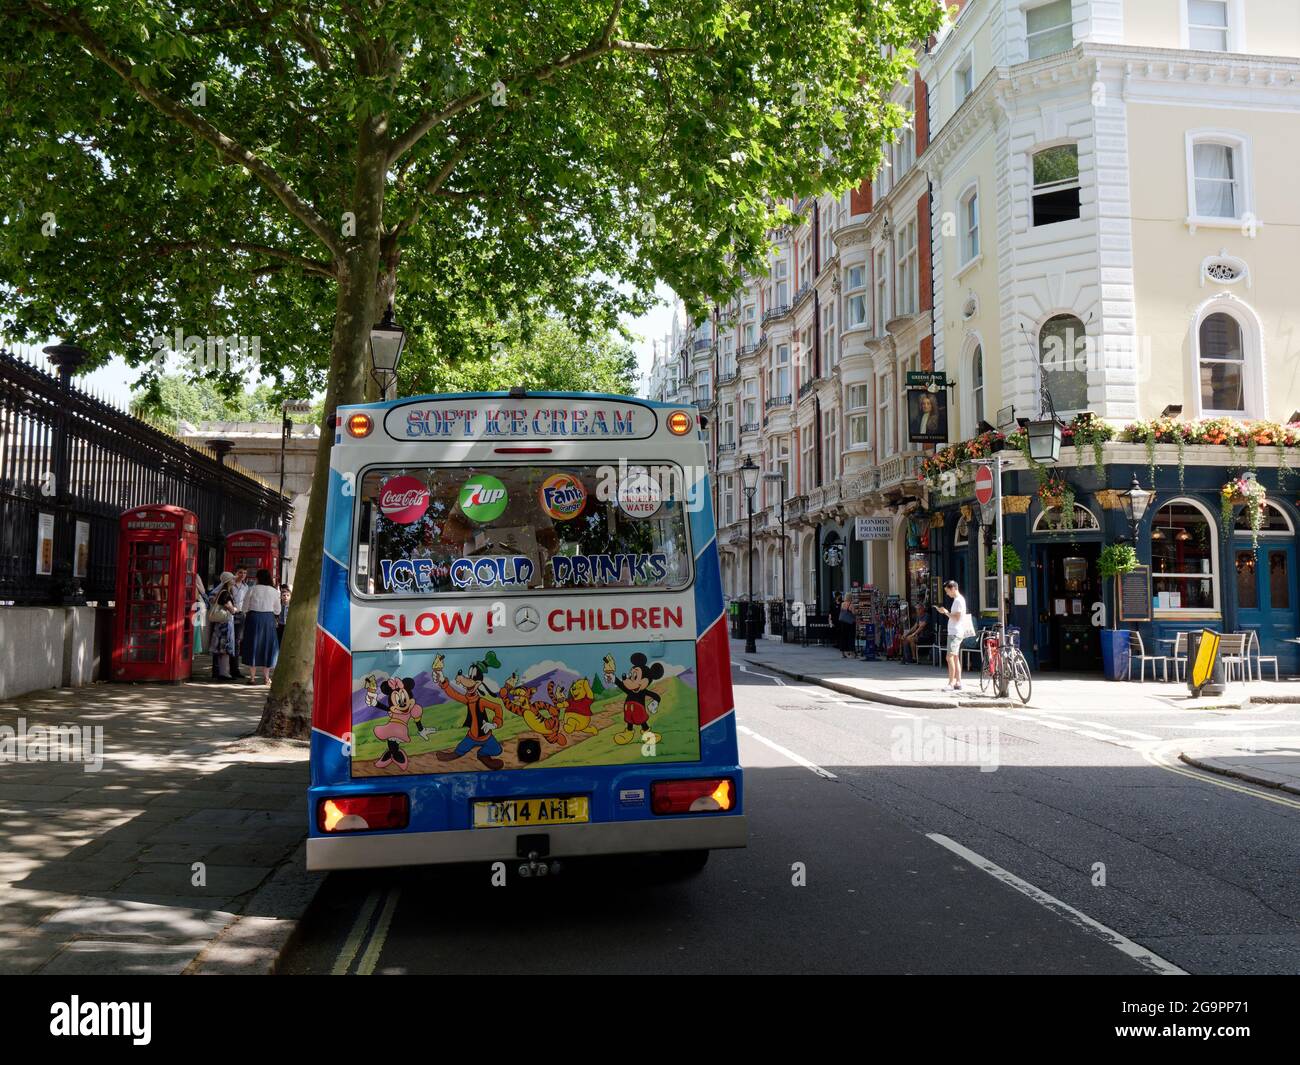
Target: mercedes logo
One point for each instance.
(526, 619)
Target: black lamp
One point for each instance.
(1044, 439)
(387, 338)
(1135, 501)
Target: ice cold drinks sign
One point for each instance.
(506, 419)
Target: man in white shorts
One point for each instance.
(960, 625)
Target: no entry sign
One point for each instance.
(984, 486)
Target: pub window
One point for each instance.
(1183, 550)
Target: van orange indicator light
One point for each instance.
(359, 424)
(679, 423)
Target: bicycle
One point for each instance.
(1002, 665)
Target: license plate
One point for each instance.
(531, 813)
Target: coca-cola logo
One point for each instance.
(403, 499)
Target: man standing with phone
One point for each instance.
(960, 625)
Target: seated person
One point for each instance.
(912, 637)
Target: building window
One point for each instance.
(970, 226)
(1049, 29)
(749, 410)
(855, 296)
(808, 461)
(885, 415)
(729, 424)
(905, 258)
(781, 289)
(882, 290)
(977, 387)
(1056, 184)
(1222, 364)
(905, 146)
(1218, 178)
(858, 416)
(831, 445)
(1207, 25)
(830, 349)
(1183, 550)
(963, 80)
(829, 222)
(1063, 355)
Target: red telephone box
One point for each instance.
(254, 549)
(157, 548)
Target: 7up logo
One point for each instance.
(483, 498)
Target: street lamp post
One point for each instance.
(290, 406)
(750, 471)
(387, 339)
(1135, 501)
(785, 598)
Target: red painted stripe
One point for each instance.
(331, 686)
(713, 672)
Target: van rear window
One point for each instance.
(497, 528)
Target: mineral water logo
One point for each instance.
(483, 498)
(403, 499)
(563, 496)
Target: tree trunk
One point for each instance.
(287, 712)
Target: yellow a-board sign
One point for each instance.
(1203, 665)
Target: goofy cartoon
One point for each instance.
(640, 701)
(482, 714)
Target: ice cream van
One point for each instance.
(521, 653)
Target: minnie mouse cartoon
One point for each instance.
(399, 701)
(640, 701)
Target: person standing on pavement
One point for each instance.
(261, 608)
(222, 617)
(960, 626)
(848, 624)
(285, 593)
(240, 592)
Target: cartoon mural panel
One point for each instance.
(524, 707)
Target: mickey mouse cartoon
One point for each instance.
(399, 701)
(640, 701)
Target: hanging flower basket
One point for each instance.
(1248, 492)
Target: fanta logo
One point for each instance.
(483, 498)
(563, 496)
(403, 499)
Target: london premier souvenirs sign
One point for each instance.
(540, 418)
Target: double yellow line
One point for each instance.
(1155, 757)
(362, 932)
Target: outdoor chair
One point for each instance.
(1179, 656)
(1142, 658)
(1260, 659)
(1233, 651)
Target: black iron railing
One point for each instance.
(114, 462)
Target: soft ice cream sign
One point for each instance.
(511, 419)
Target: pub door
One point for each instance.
(1067, 590)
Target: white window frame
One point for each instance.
(1236, 36)
(857, 414)
(973, 344)
(830, 348)
(963, 78)
(1252, 342)
(856, 309)
(881, 260)
(1187, 612)
(1243, 154)
(884, 414)
(970, 238)
(905, 269)
(1026, 8)
(1060, 185)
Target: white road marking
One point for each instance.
(1147, 959)
(786, 752)
(755, 673)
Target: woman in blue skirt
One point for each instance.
(260, 647)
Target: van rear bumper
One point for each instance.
(368, 851)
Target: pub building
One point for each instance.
(1194, 571)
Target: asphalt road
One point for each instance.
(961, 841)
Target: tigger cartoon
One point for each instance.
(574, 705)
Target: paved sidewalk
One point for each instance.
(922, 686)
(1274, 762)
(183, 853)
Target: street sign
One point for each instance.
(984, 486)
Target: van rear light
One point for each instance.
(692, 796)
(362, 813)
